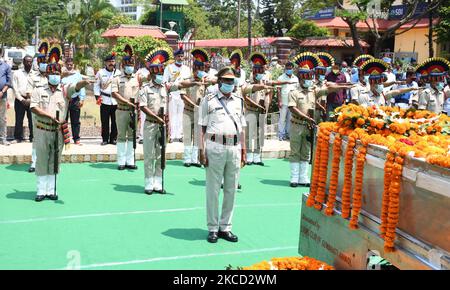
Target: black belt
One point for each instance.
(105, 94)
(223, 138)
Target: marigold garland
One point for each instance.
(334, 180)
(291, 263)
(316, 169)
(348, 171)
(323, 171)
(357, 193)
(420, 134)
(388, 165)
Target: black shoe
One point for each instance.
(249, 163)
(141, 141)
(121, 167)
(305, 184)
(197, 165)
(171, 141)
(162, 191)
(213, 237)
(39, 198)
(113, 142)
(259, 163)
(149, 192)
(180, 140)
(187, 164)
(221, 186)
(132, 167)
(239, 186)
(31, 169)
(104, 143)
(294, 184)
(52, 197)
(228, 236)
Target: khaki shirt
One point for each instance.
(35, 80)
(256, 97)
(196, 93)
(214, 117)
(50, 102)
(431, 100)
(305, 99)
(128, 88)
(153, 97)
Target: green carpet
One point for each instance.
(103, 219)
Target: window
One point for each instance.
(124, 2)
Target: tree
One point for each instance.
(351, 17)
(443, 27)
(121, 19)
(305, 28)
(86, 29)
(12, 25)
(267, 15)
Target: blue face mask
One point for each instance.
(179, 62)
(344, 70)
(440, 86)
(201, 74)
(259, 77)
(227, 88)
(54, 80)
(308, 83)
(427, 85)
(366, 79)
(321, 78)
(159, 79)
(328, 69)
(43, 67)
(379, 88)
(354, 71)
(289, 72)
(129, 70)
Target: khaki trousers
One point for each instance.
(224, 164)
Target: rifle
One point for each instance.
(133, 123)
(56, 152)
(312, 131)
(163, 141)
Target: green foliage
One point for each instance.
(121, 19)
(443, 27)
(141, 45)
(305, 28)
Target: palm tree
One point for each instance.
(87, 27)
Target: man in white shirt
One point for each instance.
(291, 83)
(22, 99)
(176, 72)
(108, 105)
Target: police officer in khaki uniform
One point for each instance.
(192, 100)
(375, 94)
(36, 79)
(153, 98)
(125, 90)
(433, 72)
(222, 152)
(302, 104)
(45, 102)
(256, 104)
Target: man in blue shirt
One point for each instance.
(5, 84)
(72, 76)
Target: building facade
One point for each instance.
(132, 8)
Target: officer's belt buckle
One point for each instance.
(229, 140)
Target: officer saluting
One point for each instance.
(37, 78)
(108, 105)
(255, 105)
(222, 153)
(192, 99)
(153, 103)
(433, 71)
(45, 102)
(125, 90)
